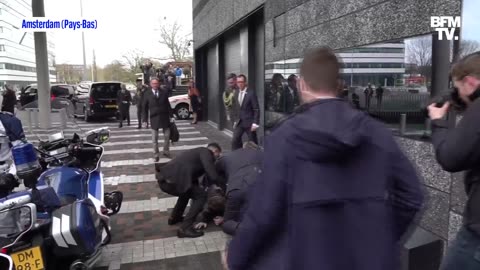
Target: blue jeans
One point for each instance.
(464, 252)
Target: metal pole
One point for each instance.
(43, 76)
(403, 123)
(84, 76)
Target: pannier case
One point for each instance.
(76, 229)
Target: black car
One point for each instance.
(97, 99)
(30, 93)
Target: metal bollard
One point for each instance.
(29, 114)
(428, 125)
(403, 123)
(35, 118)
(63, 118)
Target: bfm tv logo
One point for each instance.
(447, 25)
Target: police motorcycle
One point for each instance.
(61, 171)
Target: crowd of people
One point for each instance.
(331, 188)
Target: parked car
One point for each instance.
(97, 99)
(181, 106)
(30, 93)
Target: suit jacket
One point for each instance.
(185, 169)
(158, 107)
(241, 167)
(249, 111)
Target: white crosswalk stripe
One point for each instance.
(149, 150)
(129, 179)
(154, 204)
(113, 137)
(112, 131)
(131, 162)
(150, 141)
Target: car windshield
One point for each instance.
(105, 90)
(61, 90)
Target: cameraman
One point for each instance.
(458, 150)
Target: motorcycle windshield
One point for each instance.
(62, 121)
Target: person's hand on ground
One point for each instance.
(200, 226)
(218, 221)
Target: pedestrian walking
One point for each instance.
(124, 99)
(195, 101)
(336, 192)
(368, 92)
(156, 104)
(228, 96)
(457, 150)
(247, 113)
(379, 95)
(9, 100)
(138, 100)
(181, 177)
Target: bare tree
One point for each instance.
(468, 47)
(178, 44)
(419, 53)
(133, 60)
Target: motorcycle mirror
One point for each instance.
(16, 221)
(6, 262)
(98, 136)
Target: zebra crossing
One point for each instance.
(140, 233)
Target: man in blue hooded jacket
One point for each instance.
(336, 193)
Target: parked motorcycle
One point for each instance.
(65, 184)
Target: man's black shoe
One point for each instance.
(139, 127)
(173, 221)
(189, 233)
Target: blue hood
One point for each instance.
(317, 138)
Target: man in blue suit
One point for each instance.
(336, 192)
(246, 113)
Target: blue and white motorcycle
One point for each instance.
(65, 184)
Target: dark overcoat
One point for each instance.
(159, 108)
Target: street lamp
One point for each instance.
(84, 75)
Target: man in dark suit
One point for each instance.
(124, 99)
(246, 113)
(156, 104)
(182, 177)
(240, 168)
(289, 99)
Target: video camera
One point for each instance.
(453, 97)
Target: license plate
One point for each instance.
(30, 259)
(111, 106)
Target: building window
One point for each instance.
(2, 66)
(2, 48)
(1, 29)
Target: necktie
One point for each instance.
(156, 93)
(242, 95)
